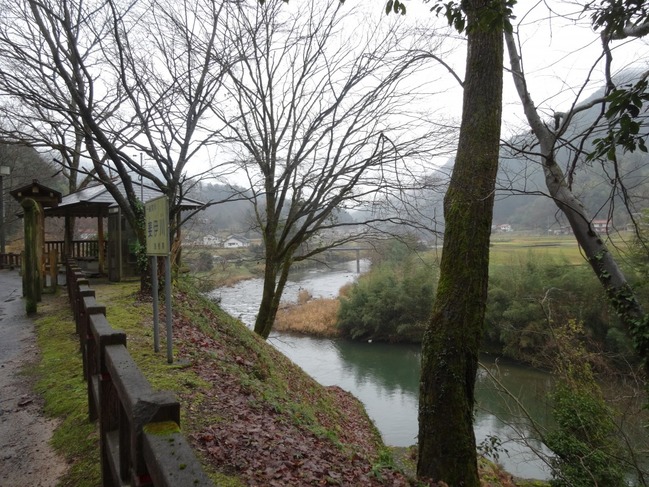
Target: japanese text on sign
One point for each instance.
(157, 226)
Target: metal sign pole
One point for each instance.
(156, 312)
(157, 244)
(170, 353)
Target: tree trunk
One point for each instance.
(272, 294)
(447, 450)
(620, 295)
(32, 256)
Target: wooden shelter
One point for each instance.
(118, 250)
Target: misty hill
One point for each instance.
(232, 209)
(522, 201)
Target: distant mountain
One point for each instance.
(232, 209)
(521, 198)
(25, 165)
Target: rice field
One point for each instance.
(516, 250)
(564, 248)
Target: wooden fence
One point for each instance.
(9, 261)
(80, 249)
(140, 439)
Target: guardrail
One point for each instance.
(9, 261)
(79, 249)
(139, 428)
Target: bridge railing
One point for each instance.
(140, 439)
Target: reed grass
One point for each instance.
(316, 317)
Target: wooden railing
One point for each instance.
(140, 439)
(80, 249)
(9, 261)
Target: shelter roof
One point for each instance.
(47, 197)
(94, 201)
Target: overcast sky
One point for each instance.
(559, 49)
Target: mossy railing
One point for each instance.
(140, 439)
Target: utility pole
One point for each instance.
(4, 171)
(140, 176)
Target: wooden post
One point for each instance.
(32, 262)
(100, 238)
(40, 249)
(54, 269)
(67, 238)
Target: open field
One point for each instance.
(517, 249)
(507, 250)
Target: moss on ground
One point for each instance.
(60, 381)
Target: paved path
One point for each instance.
(26, 458)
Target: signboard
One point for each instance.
(157, 226)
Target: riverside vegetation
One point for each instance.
(545, 308)
(531, 281)
(253, 416)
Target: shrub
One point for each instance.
(390, 303)
(521, 294)
(585, 442)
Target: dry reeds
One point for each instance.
(316, 317)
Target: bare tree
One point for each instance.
(33, 98)
(555, 141)
(132, 82)
(321, 115)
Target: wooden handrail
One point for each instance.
(79, 249)
(9, 261)
(139, 428)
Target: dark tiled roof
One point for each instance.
(95, 201)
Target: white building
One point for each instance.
(602, 226)
(504, 227)
(211, 241)
(235, 242)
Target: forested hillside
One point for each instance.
(522, 199)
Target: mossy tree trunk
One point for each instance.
(32, 260)
(451, 344)
(278, 261)
(275, 278)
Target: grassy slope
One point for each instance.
(230, 384)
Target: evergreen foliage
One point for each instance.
(586, 447)
(516, 319)
(393, 301)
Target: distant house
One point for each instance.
(235, 242)
(211, 241)
(563, 230)
(602, 226)
(504, 227)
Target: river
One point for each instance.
(385, 377)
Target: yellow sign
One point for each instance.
(157, 226)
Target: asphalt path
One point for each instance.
(26, 457)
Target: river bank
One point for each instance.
(252, 416)
(384, 377)
(309, 316)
